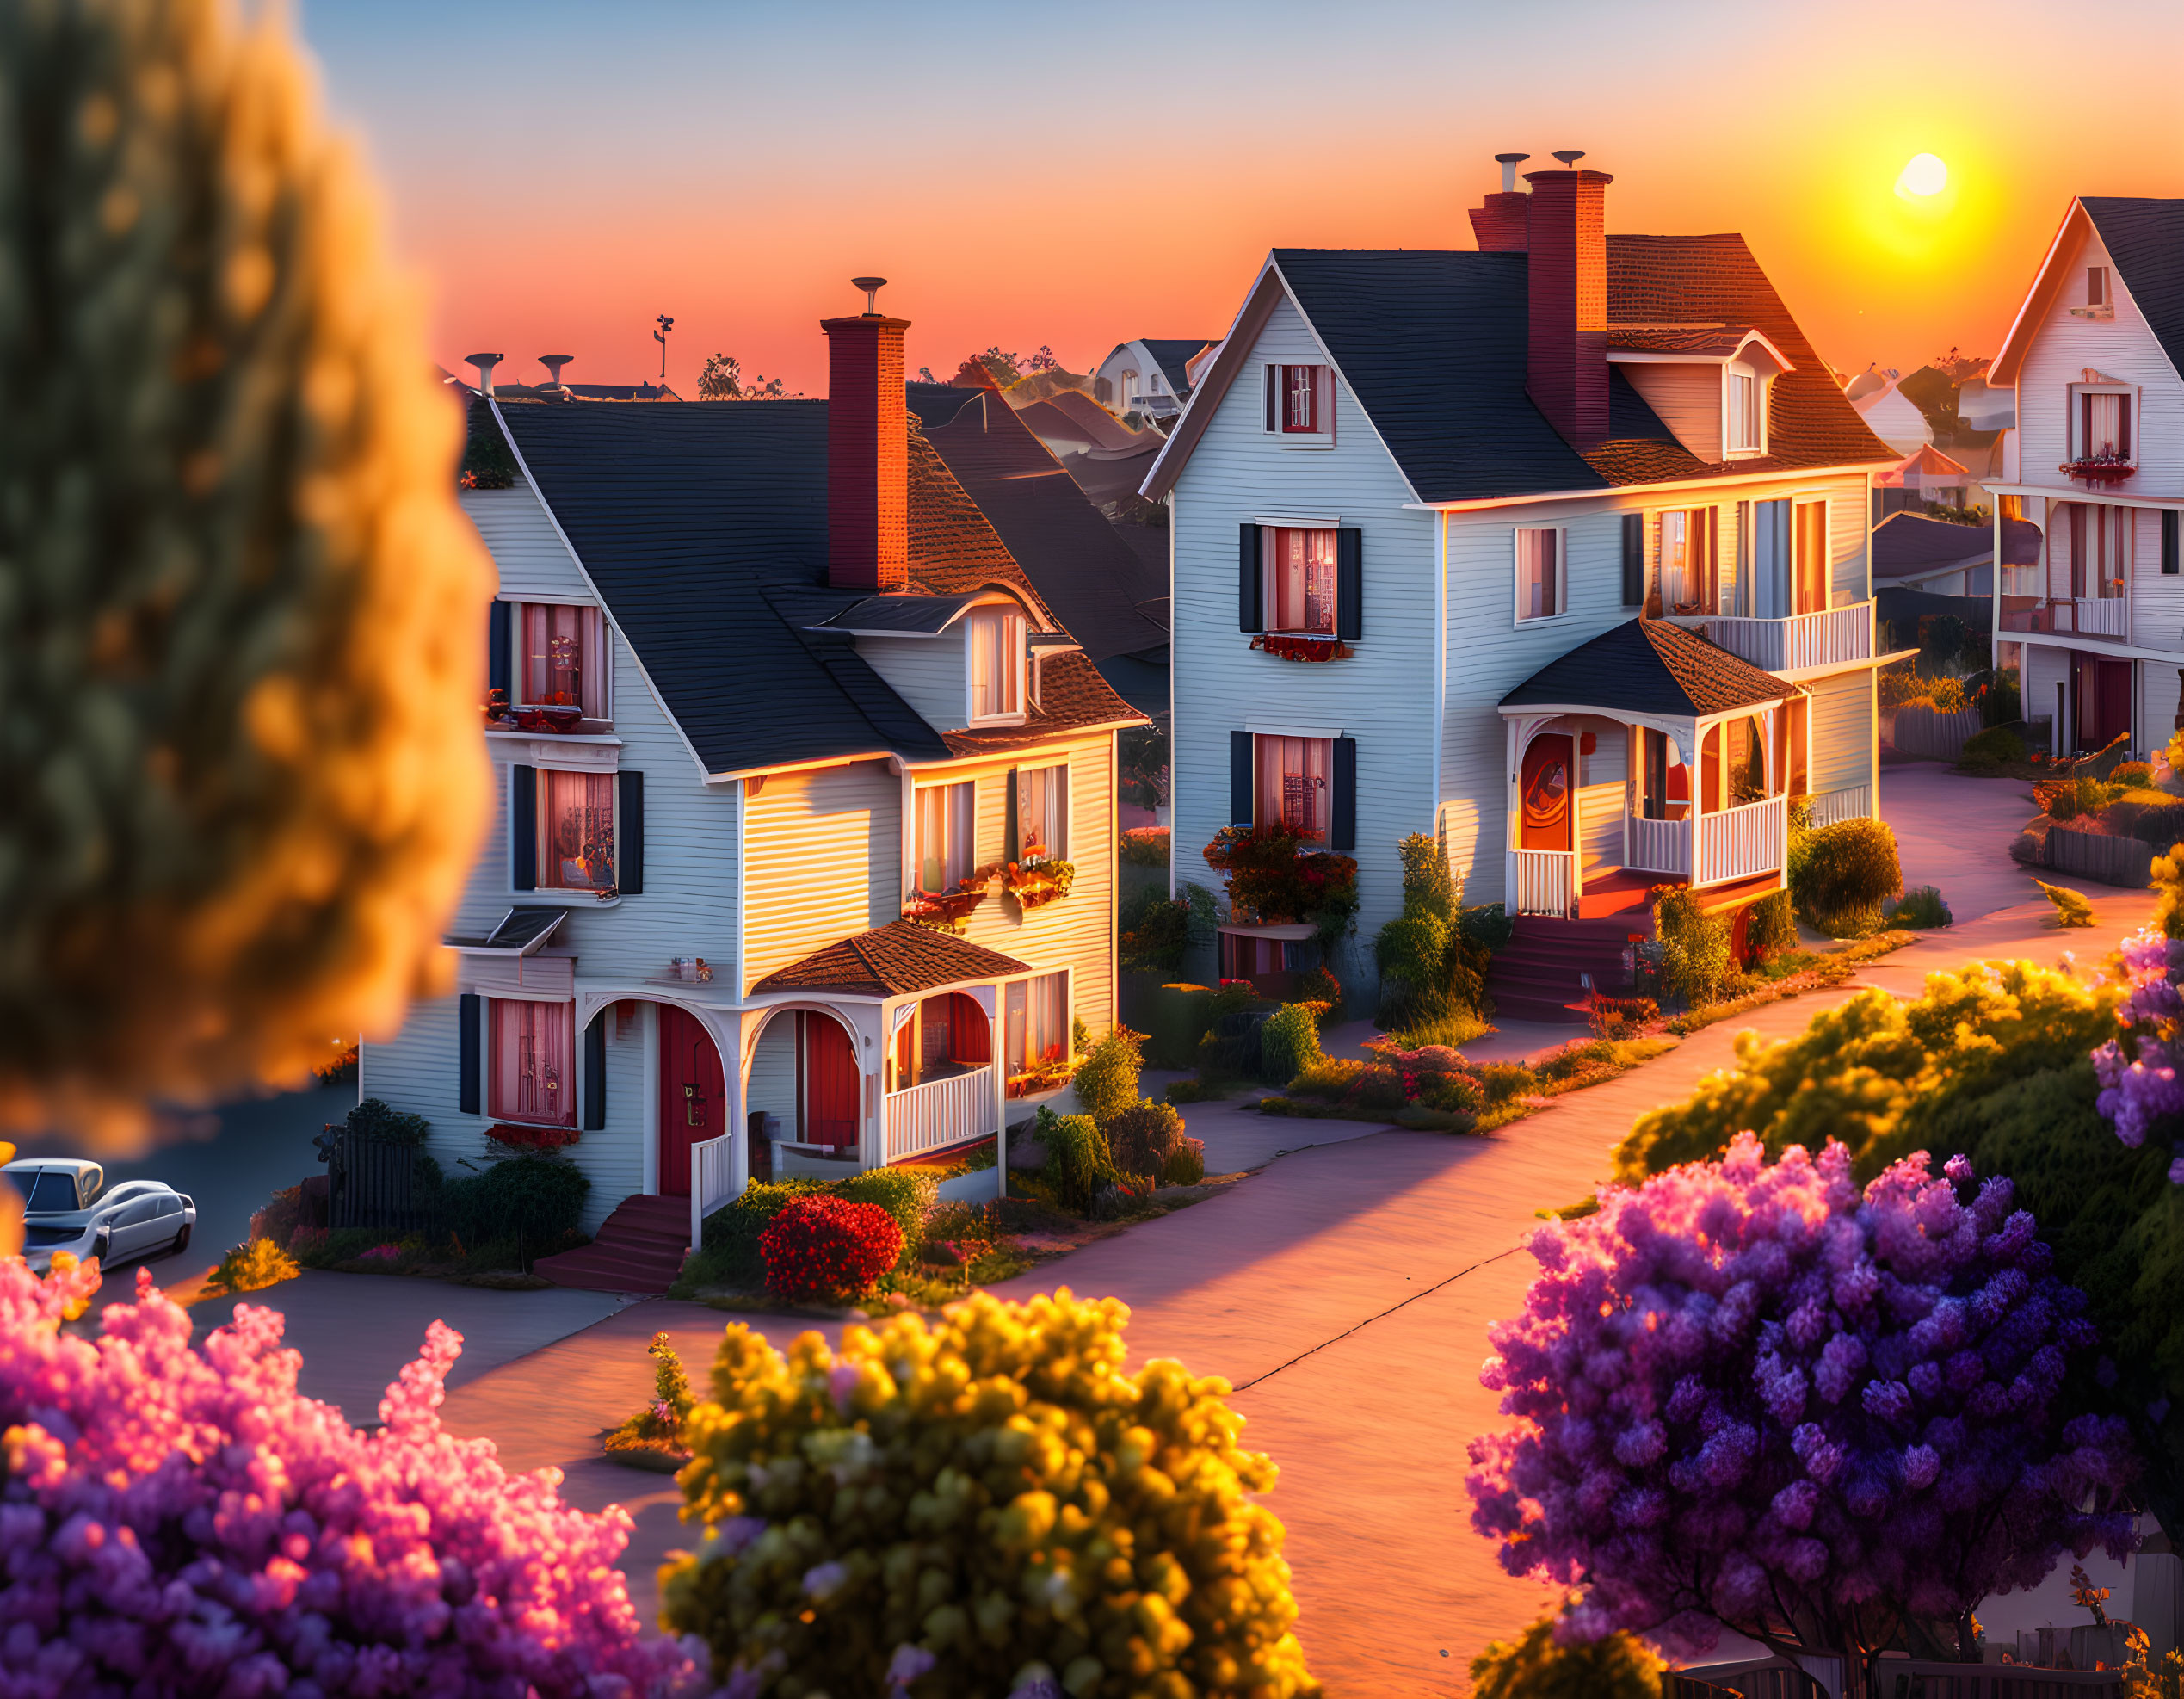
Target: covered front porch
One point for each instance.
(1646, 756)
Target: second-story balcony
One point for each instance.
(1827, 637)
(2105, 616)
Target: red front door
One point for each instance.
(829, 1084)
(1546, 779)
(2103, 702)
(694, 1103)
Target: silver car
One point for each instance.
(66, 1207)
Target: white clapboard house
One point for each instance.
(1557, 549)
(772, 682)
(2089, 596)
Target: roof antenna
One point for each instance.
(1570, 156)
(1509, 163)
(485, 362)
(660, 337)
(871, 287)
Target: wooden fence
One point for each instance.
(1932, 735)
(2113, 860)
(374, 1183)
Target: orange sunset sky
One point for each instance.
(562, 172)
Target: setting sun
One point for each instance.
(1925, 175)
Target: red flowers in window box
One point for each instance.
(1034, 884)
(1272, 872)
(948, 911)
(553, 718)
(2100, 468)
(519, 1137)
(1302, 648)
(823, 1247)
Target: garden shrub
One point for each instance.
(1538, 1666)
(1920, 908)
(1140, 1139)
(1144, 847)
(1274, 872)
(1288, 1044)
(1107, 1079)
(2133, 774)
(1842, 873)
(1900, 686)
(252, 1266)
(1433, 956)
(730, 1255)
(1501, 1082)
(985, 1503)
(372, 1118)
(179, 1521)
(536, 1199)
(1317, 985)
(658, 1427)
(1772, 928)
(822, 1246)
(906, 1194)
(1996, 747)
(1947, 694)
(1078, 1161)
(2071, 908)
(279, 1217)
(2057, 801)
(1186, 1163)
(1695, 953)
(1154, 933)
(2000, 703)
(1176, 1016)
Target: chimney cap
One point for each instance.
(1570, 156)
(871, 287)
(485, 362)
(1509, 163)
(1511, 158)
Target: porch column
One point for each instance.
(1000, 1065)
(738, 1128)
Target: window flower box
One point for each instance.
(548, 718)
(2100, 468)
(945, 911)
(1301, 648)
(1034, 884)
(515, 1136)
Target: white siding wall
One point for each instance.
(1841, 721)
(1382, 696)
(1601, 793)
(1688, 400)
(2045, 668)
(823, 860)
(2156, 598)
(773, 1072)
(930, 673)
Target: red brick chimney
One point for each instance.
(1499, 224)
(867, 450)
(1566, 370)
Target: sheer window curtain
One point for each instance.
(1042, 811)
(576, 831)
(533, 1044)
(1539, 574)
(564, 658)
(1300, 579)
(1293, 782)
(944, 820)
(996, 640)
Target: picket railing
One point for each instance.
(1742, 842)
(711, 1181)
(940, 1112)
(1827, 637)
(1659, 846)
(1853, 802)
(1543, 881)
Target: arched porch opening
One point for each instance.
(804, 1088)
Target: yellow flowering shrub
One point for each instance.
(977, 1507)
(242, 615)
(1534, 1666)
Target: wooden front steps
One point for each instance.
(1540, 974)
(639, 1248)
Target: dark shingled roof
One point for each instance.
(2145, 237)
(704, 527)
(1649, 666)
(1435, 343)
(891, 960)
(1174, 355)
(1911, 542)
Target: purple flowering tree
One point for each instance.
(177, 1521)
(1753, 1395)
(2140, 1090)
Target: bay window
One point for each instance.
(1541, 593)
(1042, 814)
(996, 640)
(946, 824)
(576, 831)
(1291, 788)
(533, 1049)
(1299, 579)
(561, 657)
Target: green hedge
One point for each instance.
(732, 1232)
(535, 1199)
(1176, 1016)
(1288, 1044)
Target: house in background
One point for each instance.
(1557, 551)
(1890, 415)
(1926, 474)
(1912, 552)
(1149, 376)
(771, 690)
(2094, 464)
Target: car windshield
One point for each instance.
(53, 1193)
(37, 1237)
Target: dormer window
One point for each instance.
(1745, 397)
(2100, 294)
(996, 639)
(1300, 405)
(561, 658)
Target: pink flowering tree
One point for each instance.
(1752, 1394)
(175, 1521)
(2140, 1088)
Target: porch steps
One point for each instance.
(1539, 975)
(639, 1248)
(1615, 890)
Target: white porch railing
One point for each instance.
(1659, 846)
(940, 1113)
(1828, 637)
(1742, 842)
(712, 1184)
(1543, 881)
(1854, 802)
(2093, 616)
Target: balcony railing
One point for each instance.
(1543, 881)
(711, 1181)
(1830, 637)
(940, 1113)
(2083, 615)
(1738, 843)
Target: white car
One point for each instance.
(66, 1207)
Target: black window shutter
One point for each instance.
(1274, 398)
(595, 1073)
(2169, 540)
(470, 1012)
(499, 662)
(1248, 575)
(1633, 559)
(629, 831)
(1240, 778)
(1012, 845)
(1349, 584)
(1341, 820)
(523, 827)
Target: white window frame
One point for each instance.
(566, 894)
(1730, 372)
(1267, 568)
(1068, 802)
(516, 668)
(2105, 306)
(1518, 617)
(914, 860)
(1015, 655)
(2073, 421)
(1322, 399)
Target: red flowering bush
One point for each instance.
(820, 1246)
(1269, 872)
(178, 1521)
